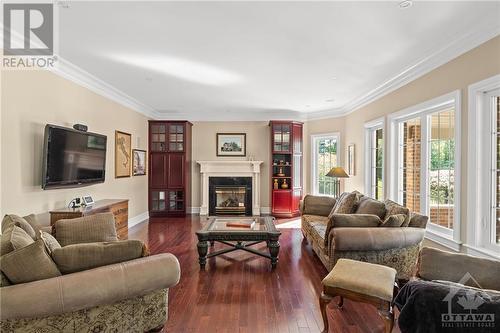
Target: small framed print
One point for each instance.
(88, 200)
(231, 144)
(139, 164)
(350, 160)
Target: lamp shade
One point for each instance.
(337, 172)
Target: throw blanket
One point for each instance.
(439, 306)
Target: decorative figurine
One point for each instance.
(284, 185)
(275, 185)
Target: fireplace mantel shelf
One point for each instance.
(230, 168)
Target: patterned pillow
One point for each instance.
(394, 208)
(346, 204)
(50, 242)
(394, 221)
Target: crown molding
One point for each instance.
(436, 59)
(70, 71)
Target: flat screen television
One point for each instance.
(72, 158)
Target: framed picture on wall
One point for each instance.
(123, 154)
(350, 160)
(139, 162)
(231, 144)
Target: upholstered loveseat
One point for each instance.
(363, 229)
(84, 280)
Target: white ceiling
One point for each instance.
(261, 60)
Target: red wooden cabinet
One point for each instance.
(286, 168)
(169, 167)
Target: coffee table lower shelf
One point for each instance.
(273, 246)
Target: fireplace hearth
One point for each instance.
(230, 196)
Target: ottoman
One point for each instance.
(362, 282)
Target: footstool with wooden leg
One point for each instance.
(361, 282)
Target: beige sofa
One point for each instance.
(125, 296)
(360, 234)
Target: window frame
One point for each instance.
(479, 185)
(450, 238)
(314, 144)
(370, 128)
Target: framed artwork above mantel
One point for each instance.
(231, 144)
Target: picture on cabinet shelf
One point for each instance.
(139, 165)
(231, 144)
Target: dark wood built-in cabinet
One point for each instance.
(286, 167)
(169, 167)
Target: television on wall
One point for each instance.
(72, 158)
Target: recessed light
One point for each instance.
(149, 79)
(334, 78)
(405, 3)
(330, 100)
(307, 105)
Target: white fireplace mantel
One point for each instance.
(228, 168)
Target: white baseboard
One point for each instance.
(196, 210)
(138, 219)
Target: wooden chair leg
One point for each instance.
(388, 316)
(340, 304)
(324, 300)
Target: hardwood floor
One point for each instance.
(239, 292)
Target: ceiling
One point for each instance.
(261, 60)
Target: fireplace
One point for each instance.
(230, 196)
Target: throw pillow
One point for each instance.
(394, 221)
(368, 205)
(11, 220)
(50, 242)
(418, 221)
(4, 282)
(30, 263)
(346, 204)
(394, 208)
(14, 238)
(80, 257)
(86, 229)
(33, 222)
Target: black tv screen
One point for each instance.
(72, 158)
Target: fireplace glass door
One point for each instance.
(230, 200)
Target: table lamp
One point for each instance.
(337, 172)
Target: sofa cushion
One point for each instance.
(50, 242)
(346, 204)
(86, 229)
(368, 205)
(30, 263)
(418, 221)
(80, 257)
(355, 220)
(393, 221)
(318, 205)
(11, 220)
(394, 208)
(33, 222)
(14, 238)
(4, 282)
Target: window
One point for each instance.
(483, 166)
(324, 157)
(493, 103)
(425, 143)
(374, 159)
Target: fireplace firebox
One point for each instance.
(230, 196)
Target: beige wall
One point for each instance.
(30, 100)
(475, 65)
(204, 149)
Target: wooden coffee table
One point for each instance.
(238, 238)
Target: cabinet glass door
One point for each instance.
(158, 137)
(281, 137)
(175, 201)
(158, 200)
(176, 137)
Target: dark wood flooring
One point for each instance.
(239, 292)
